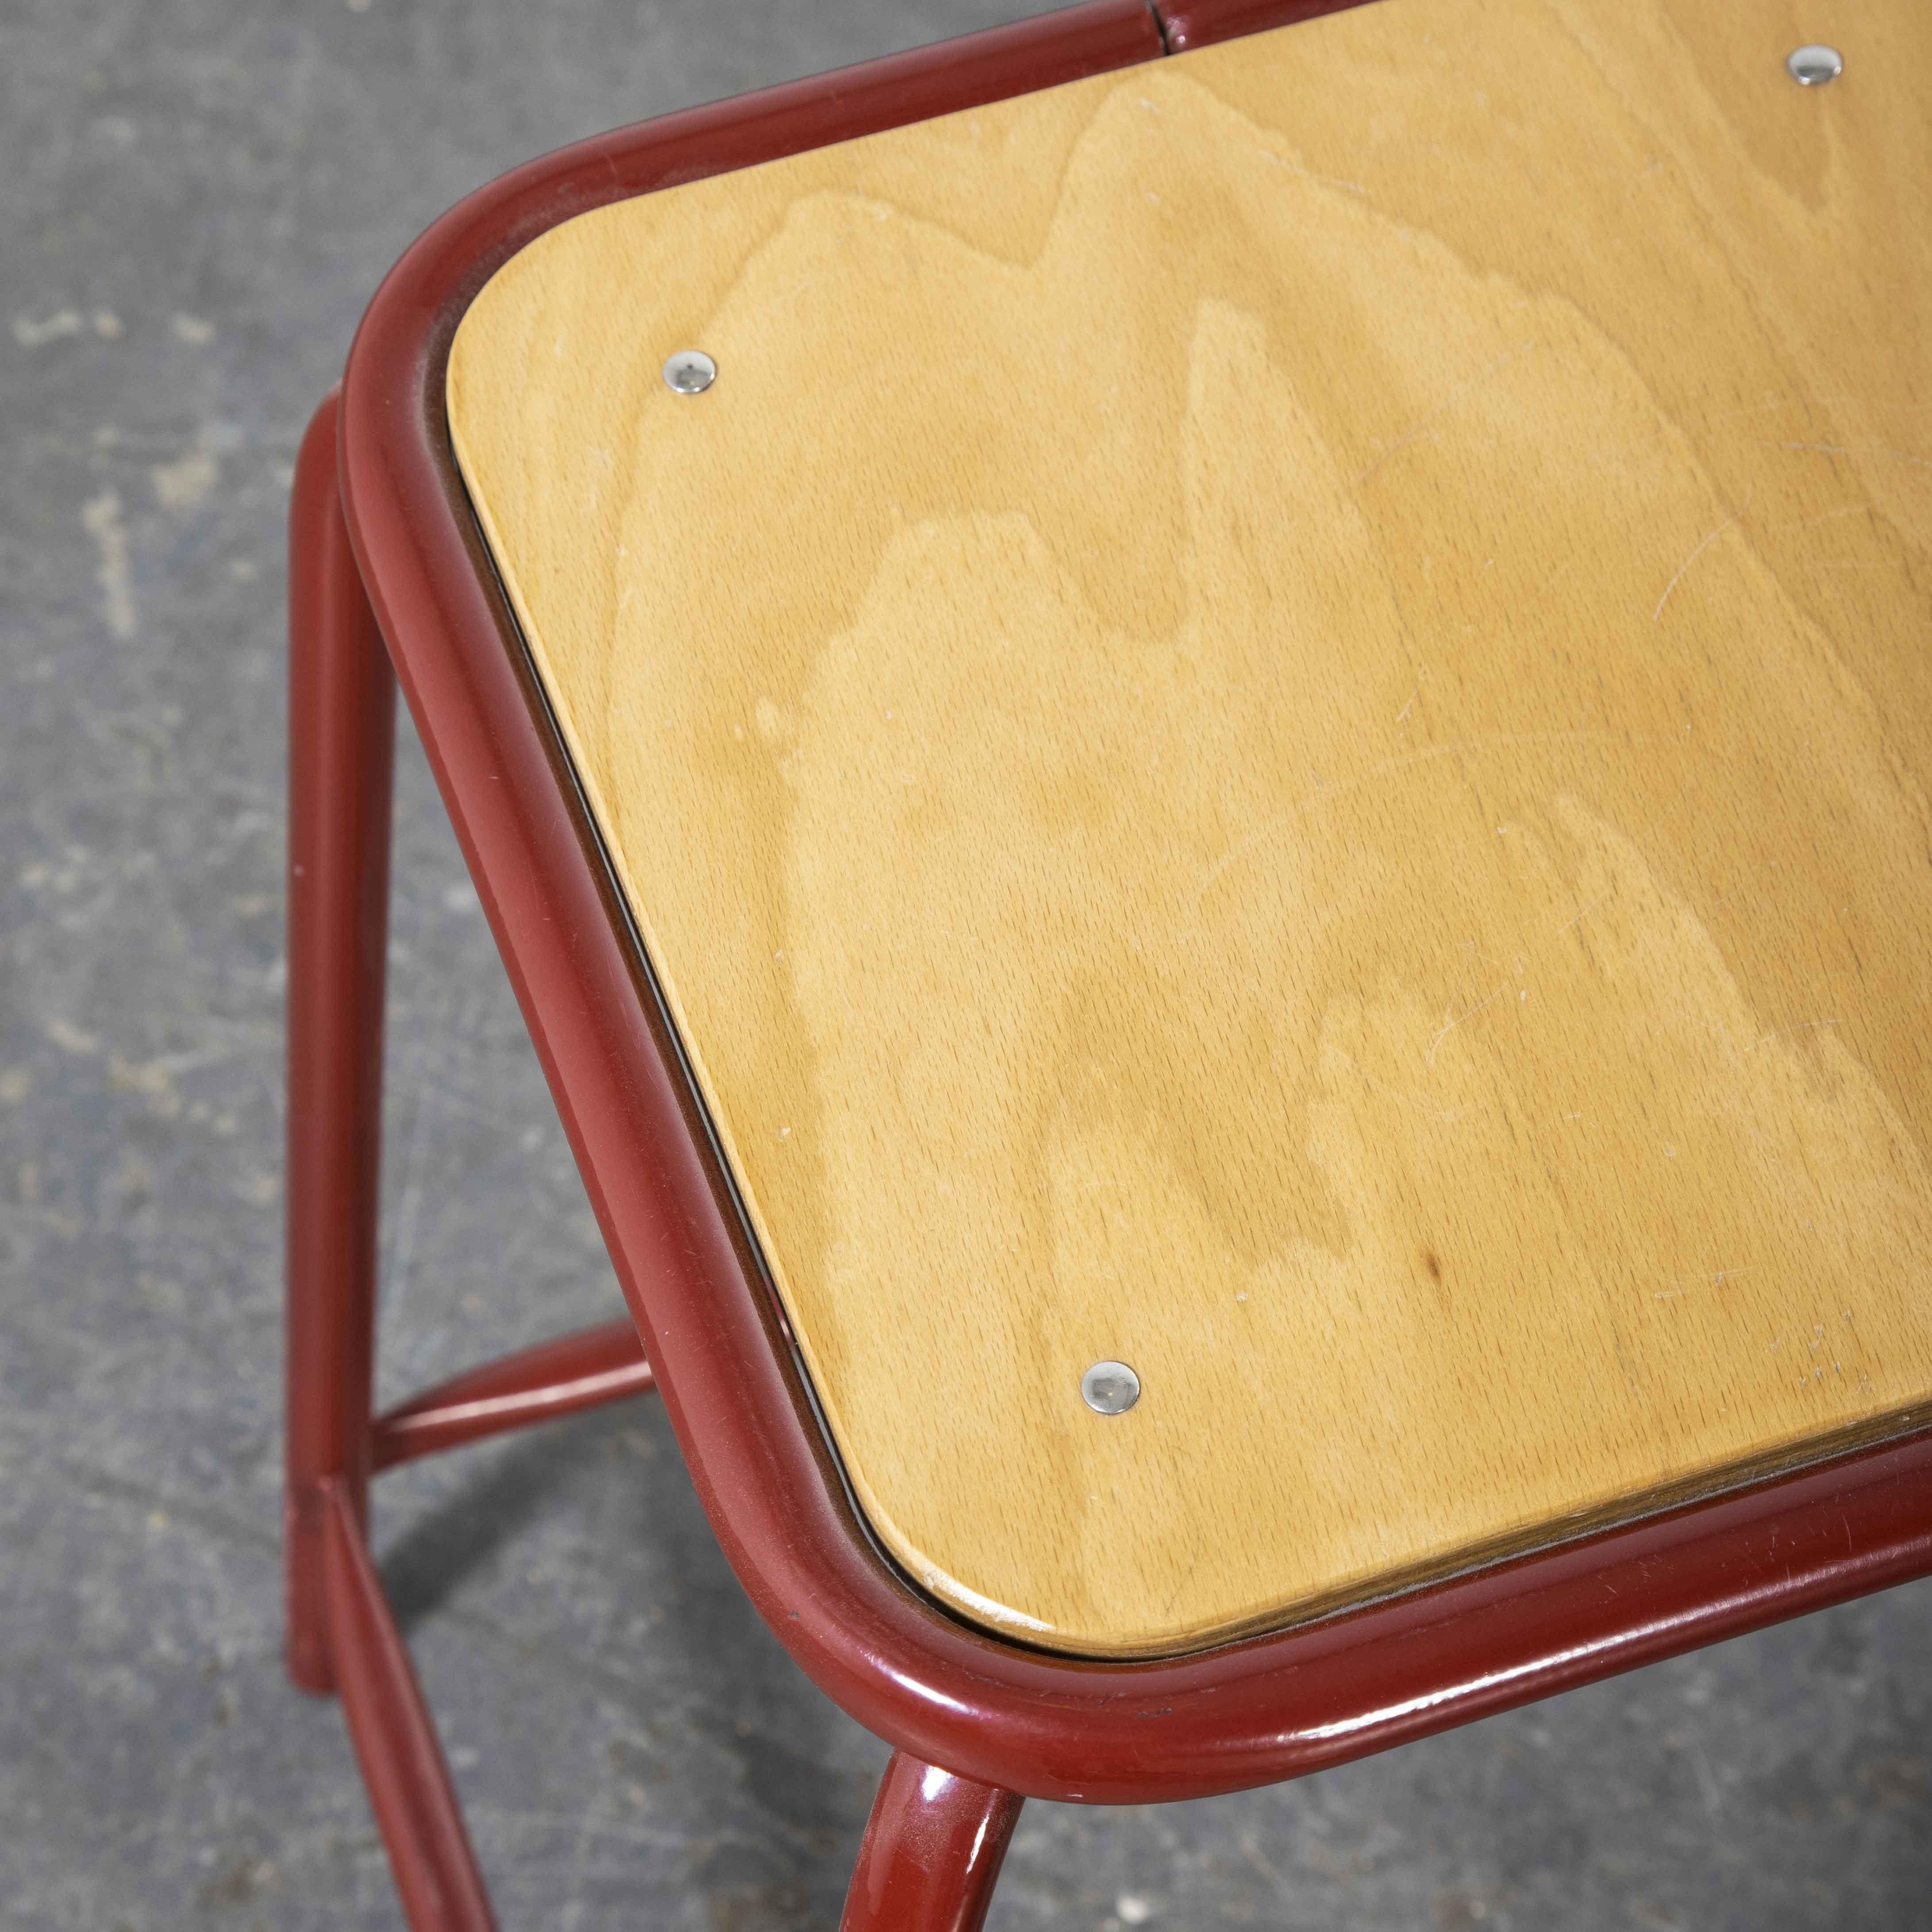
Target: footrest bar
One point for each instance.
(581, 1371)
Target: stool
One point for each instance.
(1199, 737)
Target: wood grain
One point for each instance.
(1276, 722)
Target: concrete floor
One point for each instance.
(197, 198)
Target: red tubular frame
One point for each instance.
(1248, 1714)
(554, 1378)
(395, 1743)
(1198, 23)
(931, 1853)
(342, 718)
(997, 1716)
(341, 1633)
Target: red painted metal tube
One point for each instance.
(582, 1371)
(1001, 1715)
(342, 713)
(931, 1854)
(395, 1742)
(1199, 23)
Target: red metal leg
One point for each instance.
(558, 1378)
(342, 711)
(933, 1849)
(402, 1762)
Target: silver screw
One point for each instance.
(1110, 1388)
(1814, 66)
(690, 372)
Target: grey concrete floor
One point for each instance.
(197, 198)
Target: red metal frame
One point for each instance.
(582, 1371)
(1198, 23)
(1002, 1719)
(931, 1853)
(395, 1742)
(341, 1633)
(342, 719)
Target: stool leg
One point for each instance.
(403, 1765)
(933, 1849)
(342, 714)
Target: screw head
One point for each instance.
(1814, 66)
(1110, 1388)
(690, 372)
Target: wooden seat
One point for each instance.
(1275, 723)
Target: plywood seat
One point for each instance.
(1275, 723)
